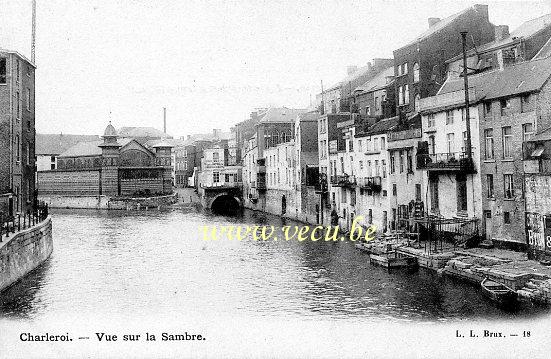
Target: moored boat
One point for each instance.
(499, 293)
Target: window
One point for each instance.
(505, 105)
(227, 177)
(417, 191)
(367, 110)
(368, 145)
(2, 70)
(401, 161)
(383, 165)
(406, 94)
(400, 95)
(526, 103)
(377, 170)
(392, 163)
(488, 143)
(430, 120)
(463, 114)
(28, 99)
(400, 70)
(507, 217)
(361, 165)
(487, 109)
(432, 145)
(18, 104)
(369, 169)
(17, 70)
(490, 185)
(409, 161)
(360, 145)
(28, 153)
(527, 131)
(507, 142)
(215, 177)
(383, 143)
(404, 68)
(433, 189)
(342, 164)
(450, 143)
(377, 104)
(417, 102)
(17, 148)
(394, 189)
(449, 117)
(416, 72)
(464, 149)
(215, 157)
(509, 189)
(375, 144)
(350, 145)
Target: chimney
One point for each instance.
(433, 21)
(216, 132)
(501, 32)
(369, 66)
(351, 69)
(164, 119)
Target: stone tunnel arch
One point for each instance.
(225, 203)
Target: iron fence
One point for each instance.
(10, 224)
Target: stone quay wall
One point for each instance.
(23, 251)
(108, 202)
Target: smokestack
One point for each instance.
(33, 35)
(164, 119)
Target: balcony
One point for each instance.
(370, 183)
(261, 183)
(446, 162)
(343, 181)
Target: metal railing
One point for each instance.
(21, 221)
(445, 161)
(343, 180)
(370, 183)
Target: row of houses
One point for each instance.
(403, 143)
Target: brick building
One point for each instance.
(511, 104)
(111, 167)
(17, 132)
(420, 65)
(523, 44)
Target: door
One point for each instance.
(488, 224)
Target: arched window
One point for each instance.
(416, 72)
(417, 102)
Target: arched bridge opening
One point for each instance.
(225, 204)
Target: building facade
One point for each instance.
(17, 133)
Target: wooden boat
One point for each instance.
(392, 260)
(499, 293)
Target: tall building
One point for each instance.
(17, 132)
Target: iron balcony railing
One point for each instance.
(453, 161)
(343, 181)
(222, 185)
(10, 224)
(370, 183)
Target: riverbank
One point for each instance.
(530, 279)
(23, 251)
(110, 203)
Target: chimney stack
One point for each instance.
(501, 32)
(164, 119)
(433, 21)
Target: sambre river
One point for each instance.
(118, 263)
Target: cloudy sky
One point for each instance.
(208, 62)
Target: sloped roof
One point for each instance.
(525, 30)
(383, 126)
(54, 144)
(519, 78)
(545, 51)
(439, 26)
(281, 114)
(142, 132)
(309, 116)
(378, 82)
(90, 148)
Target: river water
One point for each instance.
(108, 263)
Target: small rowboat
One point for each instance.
(499, 293)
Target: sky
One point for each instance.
(210, 63)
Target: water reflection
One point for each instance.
(153, 262)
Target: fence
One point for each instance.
(22, 221)
(457, 231)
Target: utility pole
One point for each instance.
(33, 35)
(164, 119)
(468, 146)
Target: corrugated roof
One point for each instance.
(90, 148)
(513, 80)
(142, 132)
(378, 82)
(281, 114)
(54, 144)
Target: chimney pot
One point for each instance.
(433, 21)
(351, 69)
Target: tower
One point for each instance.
(110, 162)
